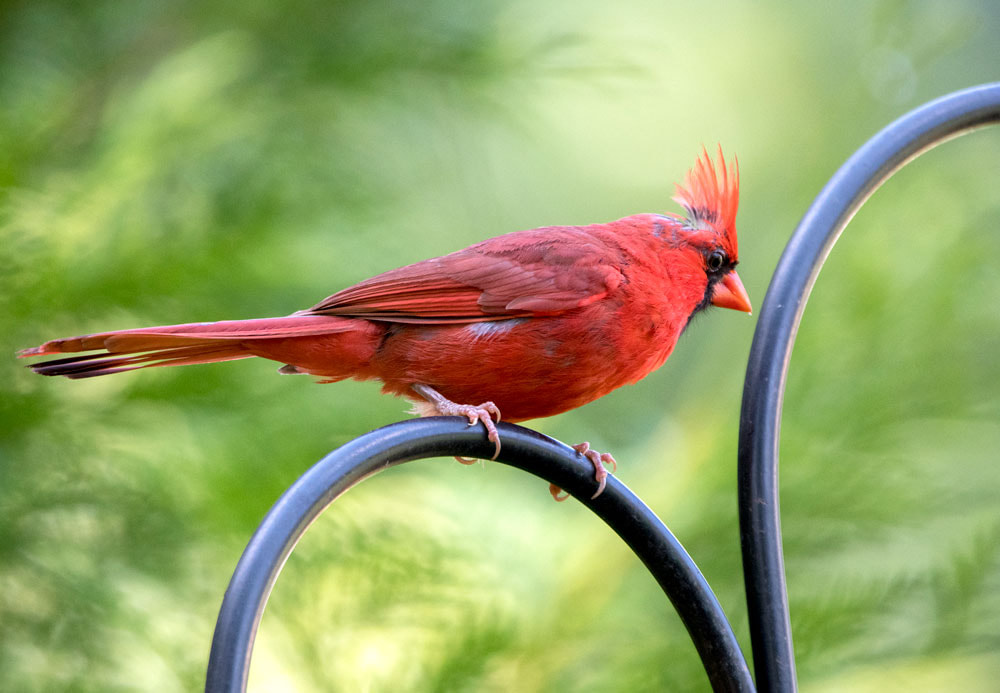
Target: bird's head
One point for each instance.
(711, 195)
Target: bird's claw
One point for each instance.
(558, 495)
(484, 414)
(598, 459)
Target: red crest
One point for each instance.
(711, 195)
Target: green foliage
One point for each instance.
(171, 162)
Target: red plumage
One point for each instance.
(537, 321)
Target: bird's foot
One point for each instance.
(484, 413)
(598, 459)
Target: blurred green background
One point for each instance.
(187, 161)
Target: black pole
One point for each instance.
(781, 312)
(646, 535)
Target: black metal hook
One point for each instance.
(636, 524)
(781, 312)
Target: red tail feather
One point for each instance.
(209, 342)
(191, 334)
(90, 365)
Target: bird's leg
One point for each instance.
(483, 413)
(598, 459)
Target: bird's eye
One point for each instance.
(716, 260)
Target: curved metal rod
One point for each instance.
(291, 515)
(763, 390)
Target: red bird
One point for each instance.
(536, 322)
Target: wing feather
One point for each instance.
(538, 272)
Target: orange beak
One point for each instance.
(729, 293)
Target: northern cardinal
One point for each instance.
(536, 322)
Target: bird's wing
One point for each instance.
(538, 272)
